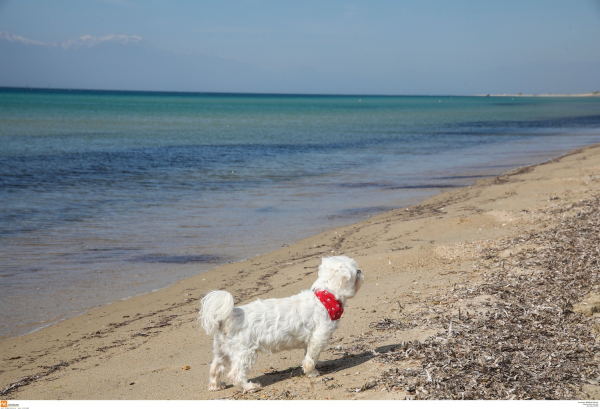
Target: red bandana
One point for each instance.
(333, 306)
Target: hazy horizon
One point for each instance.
(134, 91)
(334, 48)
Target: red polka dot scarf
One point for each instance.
(333, 306)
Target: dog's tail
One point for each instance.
(215, 307)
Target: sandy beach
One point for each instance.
(482, 292)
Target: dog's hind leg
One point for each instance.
(241, 364)
(217, 368)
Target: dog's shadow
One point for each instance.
(326, 368)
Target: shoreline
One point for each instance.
(137, 348)
(430, 187)
(407, 202)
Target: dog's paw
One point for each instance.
(252, 387)
(313, 374)
(214, 387)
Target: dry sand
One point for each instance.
(436, 302)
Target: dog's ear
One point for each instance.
(339, 276)
(324, 268)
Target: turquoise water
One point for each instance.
(108, 195)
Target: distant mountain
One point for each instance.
(119, 62)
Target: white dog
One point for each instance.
(305, 320)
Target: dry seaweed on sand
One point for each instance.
(526, 342)
(391, 324)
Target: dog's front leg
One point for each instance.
(317, 344)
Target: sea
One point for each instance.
(105, 195)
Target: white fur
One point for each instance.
(296, 322)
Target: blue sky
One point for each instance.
(346, 47)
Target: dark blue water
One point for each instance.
(108, 195)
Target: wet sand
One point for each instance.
(428, 269)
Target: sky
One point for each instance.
(424, 47)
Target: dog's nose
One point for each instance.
(358, 272)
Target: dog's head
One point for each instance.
(339, 275)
